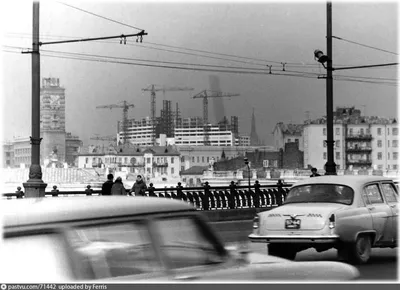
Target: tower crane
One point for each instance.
(124, 105)
(205, 95)
(153, 89)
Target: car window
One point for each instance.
(184, 243)
(115, 250)
(373, 194)
(389, 192)
(332, 193)
(35, 258)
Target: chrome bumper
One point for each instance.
(294, 239)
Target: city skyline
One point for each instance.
(275, 32)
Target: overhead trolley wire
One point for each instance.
(364, 45)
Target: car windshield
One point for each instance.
(332, 193)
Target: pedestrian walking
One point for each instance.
(118, 187)
(314, 172)
(139, 187)
(106, 187)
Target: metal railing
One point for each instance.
(203, 198)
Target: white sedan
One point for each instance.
(350, 213)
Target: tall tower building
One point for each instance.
(52, 120)
(253, 135)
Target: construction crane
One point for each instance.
(153, 89)
(124, 105)
(205, 95)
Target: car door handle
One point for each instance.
(371, 208)
(186, 278)
(393, 205)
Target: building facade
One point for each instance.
(152, 162)
(22, 151)
(139, 132)
(287, 133)
(361, 142)
(8, 154)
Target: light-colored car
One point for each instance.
(133, 239)
(350, 213)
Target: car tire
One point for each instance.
(282, 251)
(359, 252)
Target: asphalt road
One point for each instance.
(382, 265)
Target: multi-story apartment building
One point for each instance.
(244, 140)
(195, 136)
(73, 146)
(360, 141)
(22, 151)
(139, 132)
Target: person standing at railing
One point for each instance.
(118, 187)
(139, 187)
(106, 187)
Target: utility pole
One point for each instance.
(330, 166)
(35, 187)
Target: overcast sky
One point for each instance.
(265, 33)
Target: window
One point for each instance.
(379, 155)
(379, 131)
(395, 155)
(87, 160)
(172, 160)
(379, 143)
(395, 167)
(395, 143)
(44, 247)
(388, 156)
(172, 170)
(361, 131)
(318, 193)
(324, 143)
(198, 159)
(126, 249)
(338, 155)
(324, 131)
(337, 131)
(94, 160)
(182, 169)
(208, 159)
(389, 192)
(351, 131)
(183, 159)
(185, 243)
(193, 159)
(368, 131)
(388, 143)
(126, 160)
(296, 140)
(337, 143)
(388, 131)
(289, 140)
(395, 131)
(202, 159)
(324, 155)
(372, 194)
(8, 154)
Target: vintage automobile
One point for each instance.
(349, 213)
(132, 239)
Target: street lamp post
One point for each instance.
(35, 187)
(330, 166)
(246, 161)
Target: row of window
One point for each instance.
(394, 143)
(132, 160)
(395, 131)
(23, 151)
(395, 155)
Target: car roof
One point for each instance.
(32, 211)
(349, 180)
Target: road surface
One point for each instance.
(382, 265)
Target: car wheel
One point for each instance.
(282, 251)
(360, 251)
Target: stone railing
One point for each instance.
(203, 198)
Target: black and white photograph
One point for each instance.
(187, 142)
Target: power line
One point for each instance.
(372, 47)
(83, 56)
(97, 15)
